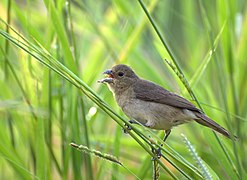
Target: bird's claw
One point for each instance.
(158, 154)
(126, 128)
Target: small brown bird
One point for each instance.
(152, 105)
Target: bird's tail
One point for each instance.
(206, 121)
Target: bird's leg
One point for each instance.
(166, 136)
(167, 133)
(131, 121)
(135, 122)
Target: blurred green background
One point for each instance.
(41, 113)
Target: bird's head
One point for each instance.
(120, 77)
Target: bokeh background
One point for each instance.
(41, 113)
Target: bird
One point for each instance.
(151, 105)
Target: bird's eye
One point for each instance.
(120, 74)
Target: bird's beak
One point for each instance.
(108, 72)
(109, 79)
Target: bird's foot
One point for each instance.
(158, 154)
(126, 128)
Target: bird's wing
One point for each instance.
(148, 91)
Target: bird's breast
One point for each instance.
(136, 109)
